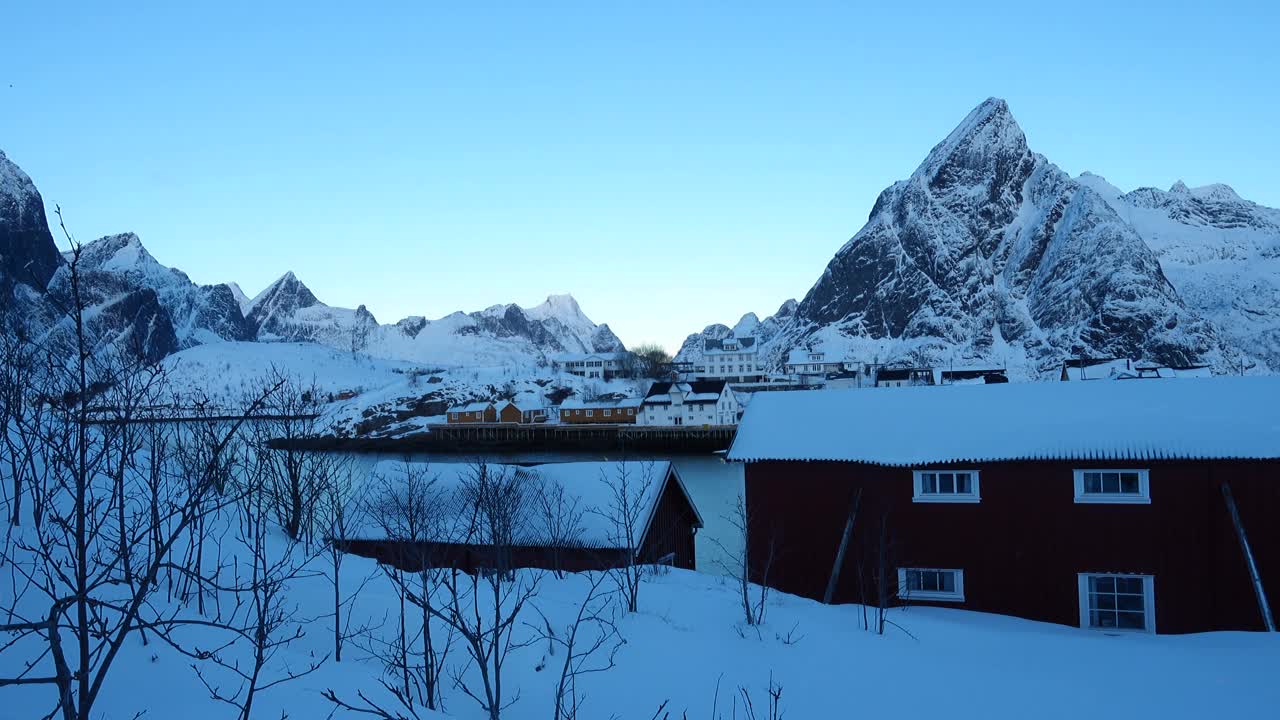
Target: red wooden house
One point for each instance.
(1103, 505)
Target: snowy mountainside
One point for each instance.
(198, 313)
(241, 298)
(27, 251)
(1220, 251)
(989, 254)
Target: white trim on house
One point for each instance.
(905, 593)
(919, 494)
(1148, 602)
(1142, 497)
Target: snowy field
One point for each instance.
(227, 371)
(685, 640)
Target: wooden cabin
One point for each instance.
(470, 413)
(1112, 506)
(668, 520)
(599, 412)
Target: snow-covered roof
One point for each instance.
(1204, 418)
(1096, 369)
(471, 407)
(586, 484)
(698, 391)
(576, 403)
(800, 356)
(580, 357)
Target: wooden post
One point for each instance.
(844, 545)
(1258, 590)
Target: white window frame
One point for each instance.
(906, 594)
(589, 413)
(918, 494)
(608, 412)
(1148, 601)
(1142, 498)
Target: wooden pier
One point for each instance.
(489, 437)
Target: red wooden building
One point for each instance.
(1103, 505)
(472, 413)
(583, 539)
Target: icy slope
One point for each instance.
(1221, 252)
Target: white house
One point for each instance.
(702, 402)
(733, 359)
(593, 365)
(803, 361)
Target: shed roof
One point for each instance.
(585, 483)
(1205, 418)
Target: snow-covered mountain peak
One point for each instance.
(122, 252)
(988, 135)
(27, 252)
(1220, 192)
(990, 252)
(1099, 184)
(241, 298)
(1180, 188)
(747, 325)
(287, 286)
(562, 307)
(14, 184)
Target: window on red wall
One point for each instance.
(945, 486)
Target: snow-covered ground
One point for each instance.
(225, 371)
(686, 640)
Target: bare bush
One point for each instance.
(590, 644)
(624, 513)
(69, 565)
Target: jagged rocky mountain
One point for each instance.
(990, 254)
(27, 251)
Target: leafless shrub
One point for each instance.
(624, 512)
(589, 644)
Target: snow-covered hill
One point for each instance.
(498, 335)
(990, 254)
(368, 396)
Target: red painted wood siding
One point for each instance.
(1022, 546)
(617, 416)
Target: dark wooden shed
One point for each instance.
(667, 523)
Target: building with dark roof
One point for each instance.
(701, 402)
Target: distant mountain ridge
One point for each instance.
(988, 254)
(158, 310)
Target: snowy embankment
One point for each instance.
(686, 640)
(364, 395)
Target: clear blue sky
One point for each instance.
(670, 164)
